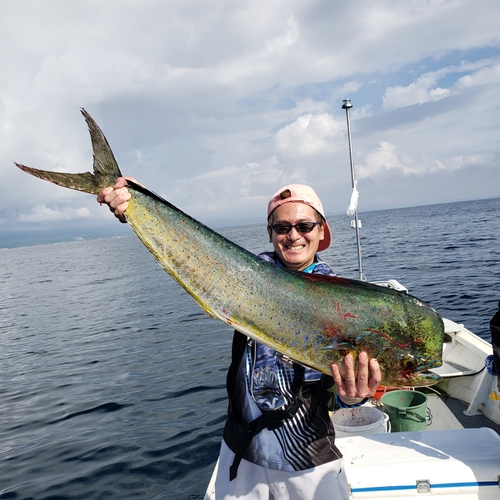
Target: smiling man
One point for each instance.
(297, 227)
(279, 441)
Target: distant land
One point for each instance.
(44, 236)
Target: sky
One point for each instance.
(216, 104)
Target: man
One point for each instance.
(278, 439)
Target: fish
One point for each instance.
(312, 319)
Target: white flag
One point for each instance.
(353, 205)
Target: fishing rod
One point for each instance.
(353, 206)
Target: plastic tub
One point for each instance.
(360, 421)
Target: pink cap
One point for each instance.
(301, 193)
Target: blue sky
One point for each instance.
(215, 104)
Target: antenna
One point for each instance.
(353, 207)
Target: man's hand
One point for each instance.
(354, 388)
(117, 197)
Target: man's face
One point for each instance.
(296, 250)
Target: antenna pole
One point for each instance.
(347, 106)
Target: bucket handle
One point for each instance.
(427, 419)
(387, 422)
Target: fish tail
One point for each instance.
(106, 169)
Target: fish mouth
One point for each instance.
(416, 365)
(422, 378)
(427, 374)
(411, 378)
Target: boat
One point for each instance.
(455, 452)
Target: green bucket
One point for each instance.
(407, 410)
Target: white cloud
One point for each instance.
(346, 89)
(243, 186)
(283, 42)
(422, 90)
(383, 159)
(487, 75)
(309, 135)
(42, 213)
(461, 162)
(426, 89)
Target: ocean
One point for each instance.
(113, 379)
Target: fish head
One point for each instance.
(416, 379)
(409, 370)
(406, 352)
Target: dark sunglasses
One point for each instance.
(301, 227)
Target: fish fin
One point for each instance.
(364, 338)
(106, 169)
(339, 346)
(369, 341)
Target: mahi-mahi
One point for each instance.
(313, 319)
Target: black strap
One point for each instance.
(238, 436)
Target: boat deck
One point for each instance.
(448, 413)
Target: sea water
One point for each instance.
(112, 379)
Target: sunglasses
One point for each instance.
(301, 227)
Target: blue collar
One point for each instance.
(309, 269)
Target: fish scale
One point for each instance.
(313, 319)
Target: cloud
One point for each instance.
(282, 42)
(309, 135)
(247, 186)
(488, 74)
(426, 89)
(463, 162)
(42, 213)
(385, 158)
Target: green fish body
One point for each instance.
(313, 319)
